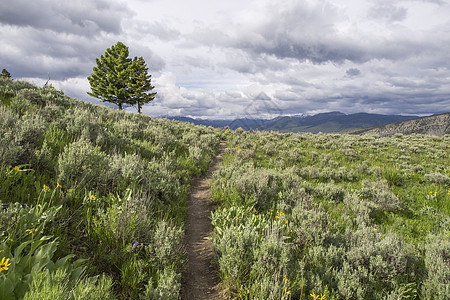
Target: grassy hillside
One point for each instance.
(93, 207)
(438, 125)
(92, 196)
(333, 216)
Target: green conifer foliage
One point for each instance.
(5, 73)
(121, 80)
(140, 83)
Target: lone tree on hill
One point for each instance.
(121, 80)
(140, 83)
(5, 74)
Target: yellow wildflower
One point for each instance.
(285, 279)
(4, 264)
(323, 297)
(286, 291)
(92, 197)
(58, 185)
(314, 296)
(31, 230)
(45, 188)
(16, 168)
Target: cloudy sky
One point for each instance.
(226, 59)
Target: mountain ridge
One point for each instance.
(323, 122)
(438, 125)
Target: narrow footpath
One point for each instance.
(201, 277)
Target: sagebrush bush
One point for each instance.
(165, 244)
(85, 165)
(379, 193)
(168, 286)
(122, 180)
(354, 212)
(438, 178)
(20, 136)
(437, 262)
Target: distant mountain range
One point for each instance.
(324, 122)
(438, 125)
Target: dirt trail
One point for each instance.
(201, 278)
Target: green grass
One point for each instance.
(115, 185)
(360, 216)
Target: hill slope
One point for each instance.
(79, 180)
(437, 125)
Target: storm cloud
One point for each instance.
(225, 60)
(86, 18)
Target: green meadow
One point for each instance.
(331, 216)
(94, 202)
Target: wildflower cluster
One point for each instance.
(321, 297)
(286, 284)
(4, 264)
(31, 231)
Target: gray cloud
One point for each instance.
(159, 30)
(352, 72)
(34, 53)
(309, 32)
(387, 11)
(62, 38)
(262, 96)
(300, 56)
(82, 18)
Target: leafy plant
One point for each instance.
(28, 258)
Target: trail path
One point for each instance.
(201, 278)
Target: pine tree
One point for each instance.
(5, 74)
(140, 83)
(121, 80)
